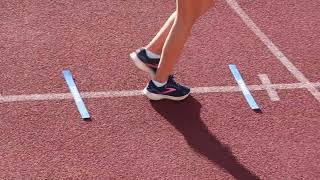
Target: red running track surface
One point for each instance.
(207, 136)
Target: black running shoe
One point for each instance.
(171, 90)
(143, 62)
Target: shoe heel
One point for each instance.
(141, 65)
(151, 96)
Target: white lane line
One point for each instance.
(111, 94)
(266, 83)
(273, 48)
(215, 89)
(36, 97)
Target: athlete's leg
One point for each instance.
(186, 14)
(157, 42)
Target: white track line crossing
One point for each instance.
(113, 94)
(266, 82)
(273, 48)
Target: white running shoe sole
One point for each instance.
(157, 97)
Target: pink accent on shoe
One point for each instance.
(168, 90)
(152, 66)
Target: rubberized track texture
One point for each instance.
(212, 134)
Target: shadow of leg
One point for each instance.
(185, 117)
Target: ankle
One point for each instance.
(156, 51)
(161, 79)
(159, 84)
(153, 55)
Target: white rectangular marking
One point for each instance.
(76, 95)
(266, 82)
(237, 76)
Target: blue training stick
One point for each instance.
(76, 95)
(243, 87)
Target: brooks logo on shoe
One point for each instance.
(168, 90)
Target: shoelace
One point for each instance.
(171, 79)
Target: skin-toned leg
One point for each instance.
(186, 14)
(157, 42)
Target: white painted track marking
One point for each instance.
(128, 93)
(273, 48)
(266, 82)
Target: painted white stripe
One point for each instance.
(112, 94)
(266, 83)
(273, 48)
(215, 89)
(36, 97)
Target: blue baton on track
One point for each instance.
(243, 87)
(76, 95)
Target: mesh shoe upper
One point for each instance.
(150, 62)
(172, 88)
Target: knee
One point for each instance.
(187, 20)
(189, 14)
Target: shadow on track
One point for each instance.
(185, 117)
